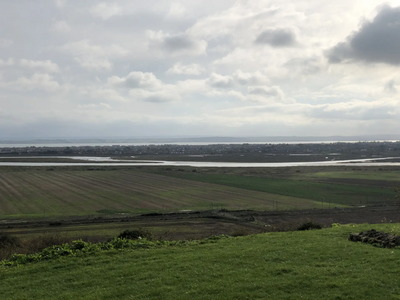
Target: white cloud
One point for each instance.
(60, 3)
(383, 109)
(5, 43)
(96, 57)
(176, 10)
(243, 15)
(135, 80)
(37, 81)
(236, 94)
(266, 94)
(4, 63)
(45, 65)
(106, 10)
(105, 94)
(95, 106)
(145, 86)
(191, 69)
(248, 78)
(220, 81)
(60, 27)
(192, 86)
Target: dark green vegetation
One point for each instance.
(315, 264)
(313, 186)
(80, 247)
(309, 226)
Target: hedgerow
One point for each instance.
(79, 247)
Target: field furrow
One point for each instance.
(13, 189)
(68, 193)
(73, 196)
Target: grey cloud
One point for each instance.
(177, 44)
(281, 37)
(273, 91)
(305, 66)
(153, 96)
(390, 87)
(377, 41)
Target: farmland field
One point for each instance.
(67, 192)
(367, 175)
(41, 193)
(303, 186)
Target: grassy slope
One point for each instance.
(293, 265)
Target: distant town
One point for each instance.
(337, 149)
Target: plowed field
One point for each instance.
(72, 193)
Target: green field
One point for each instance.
(55, 193)
(344, 194)
(319, 264)
(374, 176)
(41, 193)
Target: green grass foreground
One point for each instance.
(320, 264)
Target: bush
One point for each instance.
(239, 232)
(38, 243)
(309, 226)
(136, 234)
(79, 247)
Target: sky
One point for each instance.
(199, 68)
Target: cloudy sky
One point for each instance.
(199, 68)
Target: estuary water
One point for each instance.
(108, 144)
(108, 161)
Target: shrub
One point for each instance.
(79, 247)
(38, 243)
(239, 232)
(309, 226)
(135, 234)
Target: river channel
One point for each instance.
(108, 161)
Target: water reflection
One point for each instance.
(108, 161)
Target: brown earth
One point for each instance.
(195, 225)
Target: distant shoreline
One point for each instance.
(101, 144)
